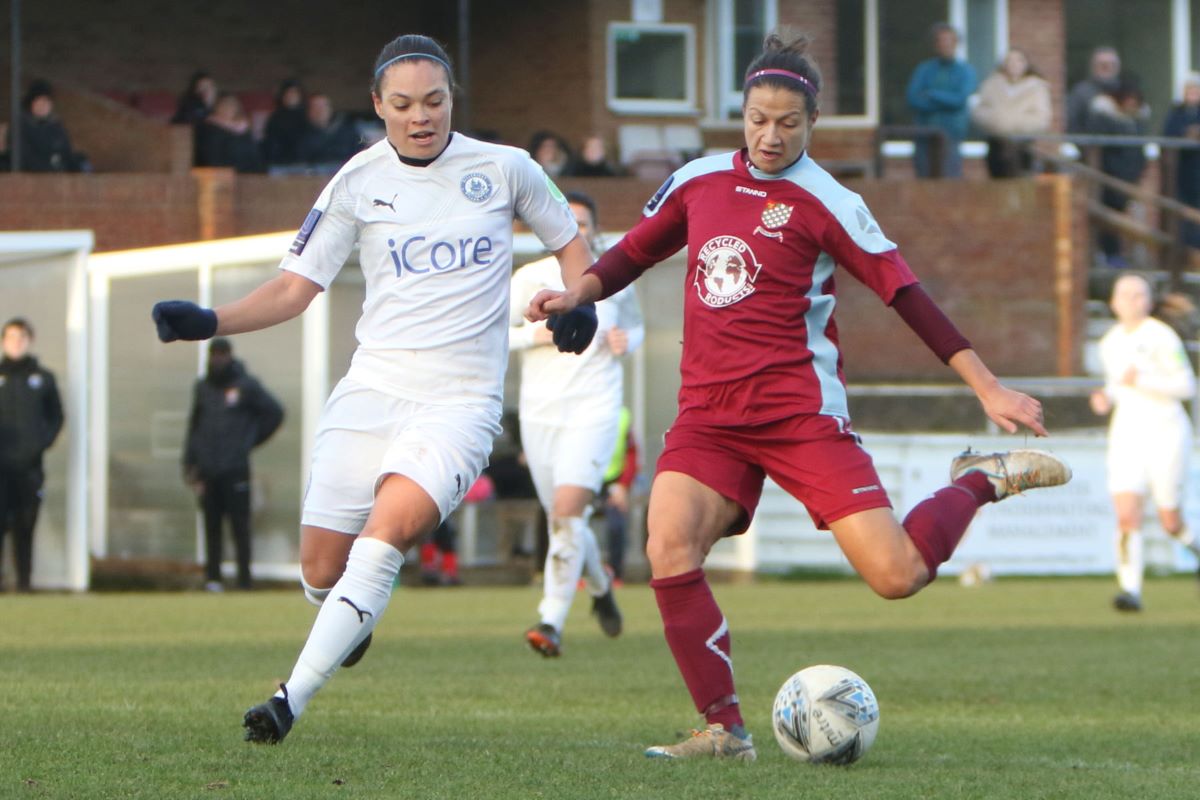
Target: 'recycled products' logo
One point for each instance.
(476, 187)
(726, 271)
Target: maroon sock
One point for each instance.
(937, 524)
(699, 639)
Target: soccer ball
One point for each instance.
(825, 715)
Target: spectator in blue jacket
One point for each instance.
(937, 94)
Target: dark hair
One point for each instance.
(289, 83)
(790, 55)
(37, 88)
(221, 345)
(19, 322)
(413, 45)
(585, 200)
(194, 81)
(539, 137)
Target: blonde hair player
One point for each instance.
(409, 428)
(1147, 376)
(764, 228)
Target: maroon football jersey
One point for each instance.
(759, 339)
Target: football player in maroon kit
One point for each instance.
(764, 228)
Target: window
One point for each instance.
(741, 26)
(651, 68)
(843, 43)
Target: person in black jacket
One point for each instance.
(45, 143)
(330, 138)
(231, 415)
(30, 418)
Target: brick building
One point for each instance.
(580, 67)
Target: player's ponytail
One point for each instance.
(785, 64)
(410, 46)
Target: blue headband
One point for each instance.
(430, 56)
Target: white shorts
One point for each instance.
(365, 434)
(1156, 466)
(568, 456)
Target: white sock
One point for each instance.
(312, 594)
(595, 577)
(564, 565)
(356, 602)
(1188, 540)
(1130, 562)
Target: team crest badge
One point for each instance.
(774, 216)
(476, 187)
(726, 271)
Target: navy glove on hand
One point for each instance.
(573, 331)
(180, 319)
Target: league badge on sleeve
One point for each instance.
(310, 222)
(774, 216)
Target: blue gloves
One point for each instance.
(574, 330)
(180, 319)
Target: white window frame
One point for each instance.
(717, 117)
(628, 105)
(729, 97)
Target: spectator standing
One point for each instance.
(937, 94)
(1104, 70)
(45, 144)
(551, 152)
(1015, 99)
(197, 100)
(1184, 121)
(1120, 112)
(329, 138)
(1147, 376)
(31, 417)
(231, 415)
(285, 126)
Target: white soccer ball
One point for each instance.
(825, 715)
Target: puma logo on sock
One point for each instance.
(362, 615)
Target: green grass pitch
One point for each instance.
(1016, 689)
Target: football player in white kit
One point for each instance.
(1147, 376)
(409, 428)
(570, 410)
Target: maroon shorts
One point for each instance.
(815, 458)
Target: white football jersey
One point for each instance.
(564, 388)
(1152, 406)
(435, 246)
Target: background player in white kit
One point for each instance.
(1147, 376)
(570, 409)
(408, 430)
